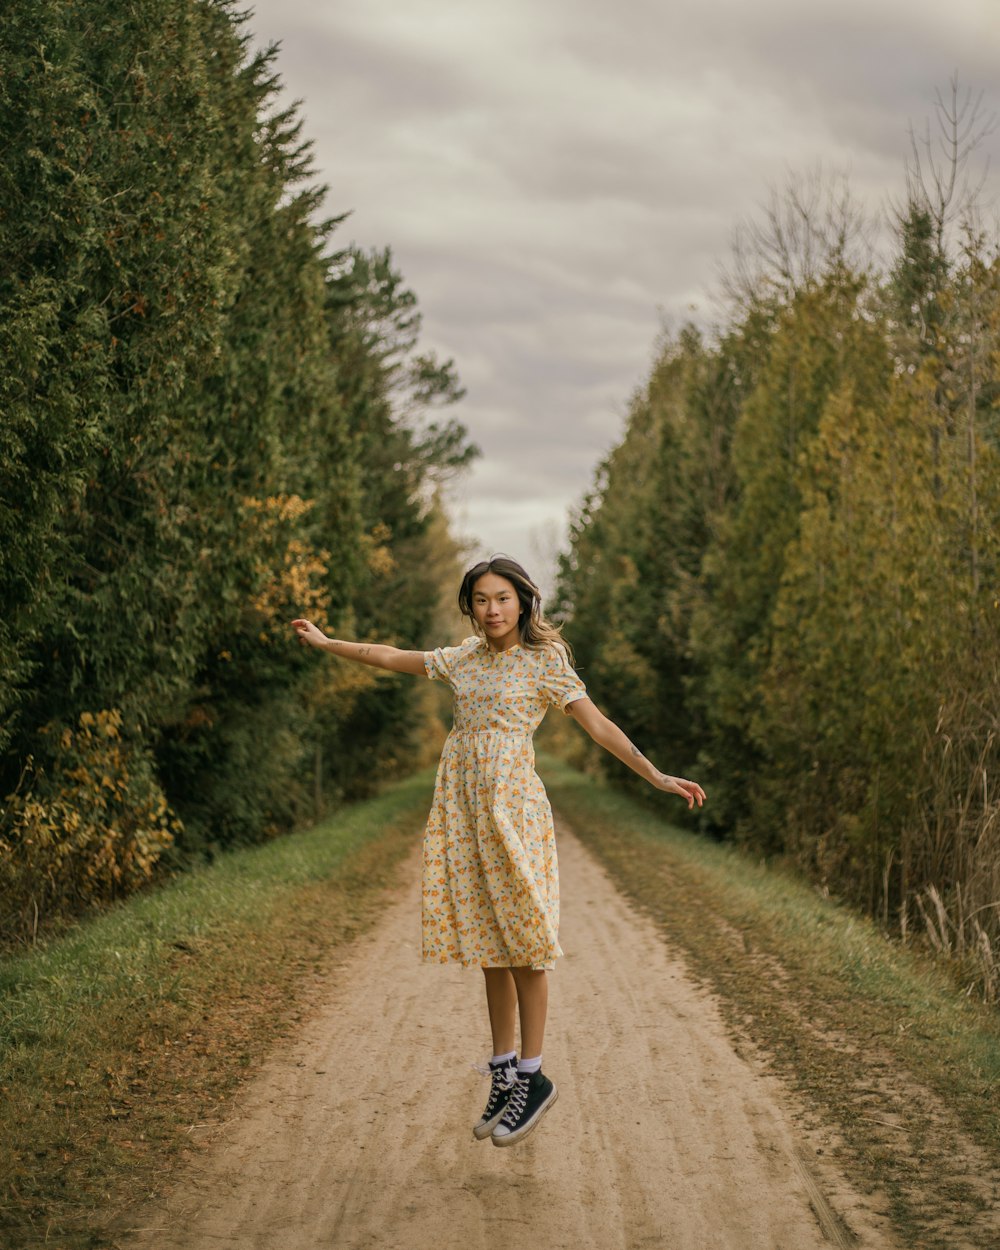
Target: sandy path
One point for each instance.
(359, 1133)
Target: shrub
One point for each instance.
(91, 828)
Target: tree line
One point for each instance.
(784, 579)
(213, 419)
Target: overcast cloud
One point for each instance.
(558, 179)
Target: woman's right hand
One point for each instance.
(309, 634)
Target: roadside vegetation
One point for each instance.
(217, 416)
(784, 580)
(121, 1040)
(883, 1044)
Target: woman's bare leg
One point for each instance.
(501, 999)
(533, 1003)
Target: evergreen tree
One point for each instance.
(211, 423)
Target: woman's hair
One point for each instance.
(534, 629)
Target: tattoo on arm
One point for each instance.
(364, 651)
(635, 751)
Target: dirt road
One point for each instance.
(358, 1134)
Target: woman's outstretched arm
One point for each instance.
(375, 654)
(607, 734)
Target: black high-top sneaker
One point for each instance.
(502, 1078)
(528, 1100)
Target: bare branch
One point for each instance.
(939, 174)
(808, 228)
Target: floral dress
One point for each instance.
(490, 874)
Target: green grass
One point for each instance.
(120, 1035)
(877, 1038)
(117, 1036)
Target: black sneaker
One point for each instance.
(502, 1079)
(527, 1102)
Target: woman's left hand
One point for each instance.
(689, 790)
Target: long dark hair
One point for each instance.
(534, 629)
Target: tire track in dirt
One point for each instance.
(358, 1134)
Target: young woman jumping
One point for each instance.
(490, 875)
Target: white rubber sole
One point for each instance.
(511, 1139)
(483, 1130)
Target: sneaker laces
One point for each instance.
(517, 1100)
(484, 1069)
(502, 1079)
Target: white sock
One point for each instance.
(508, 1059)
(527, 1066)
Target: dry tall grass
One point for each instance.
(951, 851)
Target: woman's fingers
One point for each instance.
(689, 790)
(307, 632)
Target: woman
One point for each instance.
(490, 874)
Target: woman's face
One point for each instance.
(496, 609)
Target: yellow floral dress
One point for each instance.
(490, 873)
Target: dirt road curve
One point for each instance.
(359, 1133)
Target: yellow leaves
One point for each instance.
(291, 573)
(377, 550)
(105, 724)
(90, 828)
(109, 723)
(278, 509)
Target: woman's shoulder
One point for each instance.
(549, 654)
(467, 647)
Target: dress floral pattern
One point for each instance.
(490, 873)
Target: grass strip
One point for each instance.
(876, 1038)
(117, 1038)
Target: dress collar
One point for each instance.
(499, 655)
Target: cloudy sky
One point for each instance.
(559, 179)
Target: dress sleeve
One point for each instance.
(439, 665)
(557, 680)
